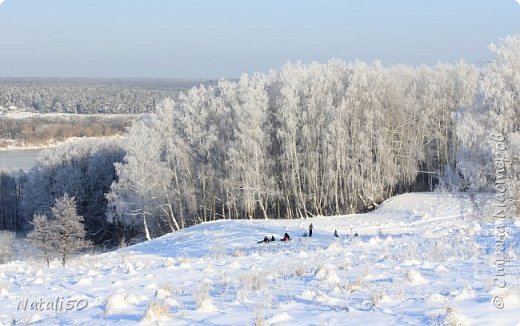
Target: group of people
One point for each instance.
(286, 236)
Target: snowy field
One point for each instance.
(420, 259)
(16, 159)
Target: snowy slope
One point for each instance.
(420, 259)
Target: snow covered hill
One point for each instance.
(419, 259)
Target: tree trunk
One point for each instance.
(146, 231)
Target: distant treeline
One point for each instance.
(89, 95)
(41, 129)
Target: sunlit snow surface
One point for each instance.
(420, 259)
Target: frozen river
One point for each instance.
(15, 159)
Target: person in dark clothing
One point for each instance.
(286, 237)
(310, 230)
(336, 234)
(272, 238)
(266, 239)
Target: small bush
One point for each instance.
(201, 295)
(156, 310)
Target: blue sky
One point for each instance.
(223, 38)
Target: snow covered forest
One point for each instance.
(87, 96)
(301, 141)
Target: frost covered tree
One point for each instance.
(68, 230)
(497, 110)
(134, 195)
(500, 85)
(175, 188)
(63, 234)
(250, 181)
(155, 190)
(42, 236)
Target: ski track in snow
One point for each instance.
(419, 259)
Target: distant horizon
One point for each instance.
(192, 79)
(212, 40)
(102, 78)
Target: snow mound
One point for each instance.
(84, 281)
(379, 276)
(322, 297)
(327, 274)
(334, 246)
(474, 229)
(120, 302)
(162, 293)
(39, 281)
(465, 294)
(3, 289)
(437, 298)
(207, 306)
(375, 241)
(92, 272)
(441, 269)
(35, 318)
(308, 295)
(280, 318)
(415, 278)
(456, 318)
(413, 262)
(169, 263)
